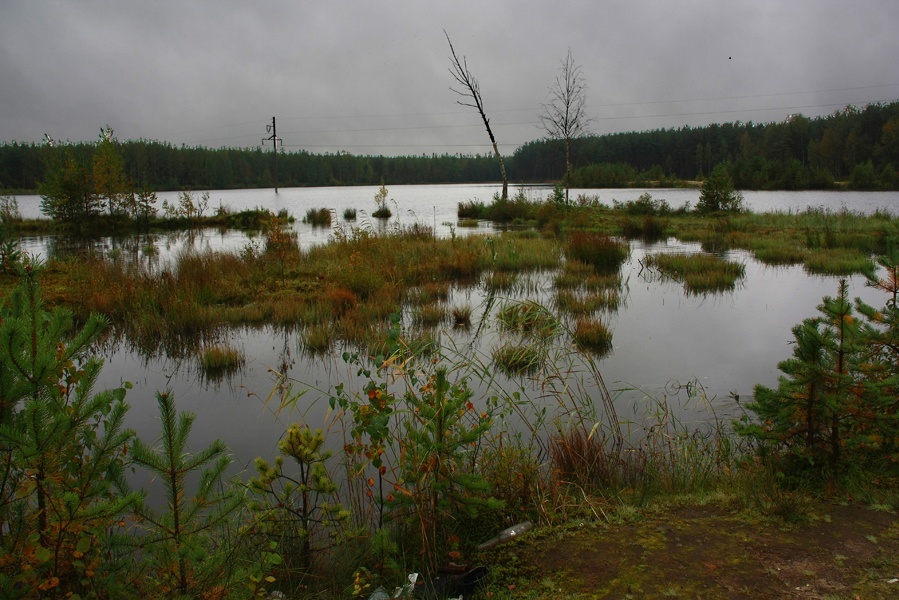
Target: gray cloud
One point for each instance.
(371, 77)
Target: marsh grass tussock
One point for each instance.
(528, 319)
(220, 359)
(461, 316)
(429, 315)
(500, 281)
(604, 253)
(317, 338)
(516, 359)
(572, 274)
(700, 273)
(577, 303)
(838, 261)
(319, 217)
(429, 292)
(593, 336)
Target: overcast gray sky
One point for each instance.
(371, 76)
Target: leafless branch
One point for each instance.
(565, 117)
(471, 91)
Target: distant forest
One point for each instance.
(856, 148)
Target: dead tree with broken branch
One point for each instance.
(471, 92)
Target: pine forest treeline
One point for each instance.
(855, 146)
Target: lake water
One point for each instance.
(662, 336)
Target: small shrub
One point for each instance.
(644, 205)
(471, 210)
(9, 210)
(507, 210)
(382, 211)
(718, 193)
(349, 214)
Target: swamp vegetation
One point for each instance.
(424, 465)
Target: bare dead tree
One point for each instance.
(564, 116)
(471, 91)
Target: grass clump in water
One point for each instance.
(838, 261)
(221, 360)
(527, 318)
(515, 359)
(700, 273)
(318, 217)
(594, 336)
(583, 304)
(349, 214)
(500, 281)
(604, 253)
(429, 315)
(461, 316)
(317, 338)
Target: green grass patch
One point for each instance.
(700, 273)
(516, 359)
(838, 261)
(527, 318)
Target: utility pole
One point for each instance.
(275, 140)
